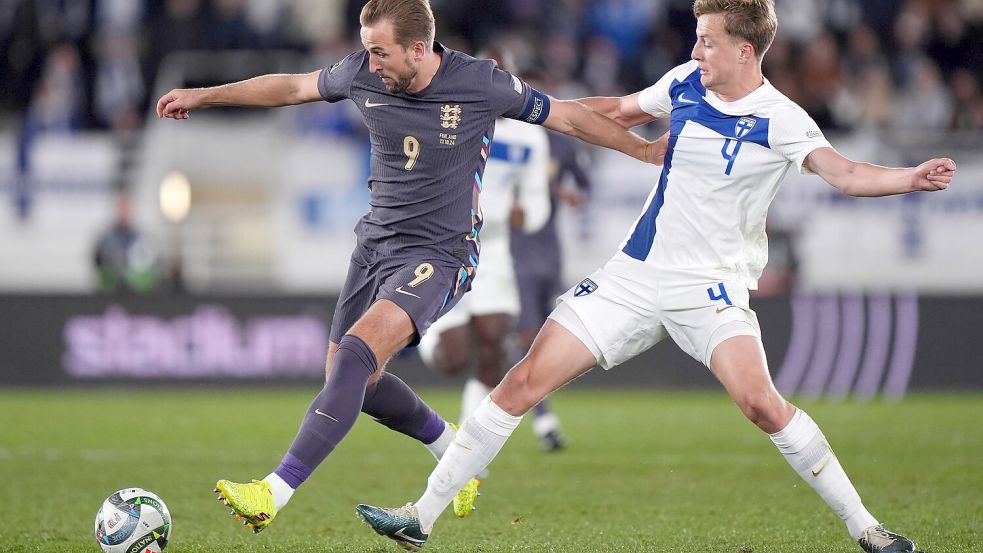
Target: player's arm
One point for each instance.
(263, 91)
(576, 119)
(624, 110)
(866, 179)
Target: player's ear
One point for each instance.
(418, 50)
(746, 52)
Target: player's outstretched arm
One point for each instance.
(264, 91)
(866, 179)
(623, 110)
(576, 119)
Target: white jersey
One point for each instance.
(517, 171)
(725, 161)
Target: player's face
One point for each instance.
(717, 52)
(395, 64)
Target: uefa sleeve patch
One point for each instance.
(516, 85)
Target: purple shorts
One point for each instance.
(424, 284)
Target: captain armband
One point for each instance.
(537, 108)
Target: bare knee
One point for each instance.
(768, 410)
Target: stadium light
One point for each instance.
(175, 197)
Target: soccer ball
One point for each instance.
(133, 521)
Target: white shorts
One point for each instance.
(627, 307)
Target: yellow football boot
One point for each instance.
(251, 503)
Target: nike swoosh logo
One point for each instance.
(682, 99)
(719, 309)
(460, 445)
(407, 538)
(816, 472)
(323, 414)
(401, 291)
(369, 104)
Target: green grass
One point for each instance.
(645, 471)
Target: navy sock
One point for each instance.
(394, 405)
(332, 413)
(541, 408)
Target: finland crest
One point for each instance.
(744, 126)
(585, 287)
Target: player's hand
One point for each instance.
(178, 103)
(934, 174)
(655, 152)
(571, 196)
(517, 216)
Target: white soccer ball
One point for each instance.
(133, 521)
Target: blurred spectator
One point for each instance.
(229, 29)
(967, 113)
(925, 102)
(125, 261)
(820, 59)
(119, 87)
(179, 25)
(820, 79)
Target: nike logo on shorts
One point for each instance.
(401, 291)
(719, 309)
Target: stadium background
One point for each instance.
(247, 214)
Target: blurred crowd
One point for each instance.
(852, 64)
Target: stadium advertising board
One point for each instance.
(818, 345)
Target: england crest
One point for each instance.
(585, 287)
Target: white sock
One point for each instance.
(478, 441)
(282, 491)
(440, 445)
(474, 392)
(806, 449)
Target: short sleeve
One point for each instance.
(509, 96)
(795, 135)
(335, 82)
(655, 100)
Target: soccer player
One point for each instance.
(515, 196)
(686, 266)
(431, 114)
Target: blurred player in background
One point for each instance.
(515, 199)
(686, 267)
(538, 259)
(431, 114)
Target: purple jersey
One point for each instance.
(429, 148)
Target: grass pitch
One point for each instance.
(644, 471)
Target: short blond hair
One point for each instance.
(412, 20)
(751, 20)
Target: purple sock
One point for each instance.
(293, 471)
(332, 413)
(394, 405)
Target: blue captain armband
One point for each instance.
(537, 108)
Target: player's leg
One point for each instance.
(607, 327)
(381, 332)
(557, 357)
(739, 363)
(490, 331)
